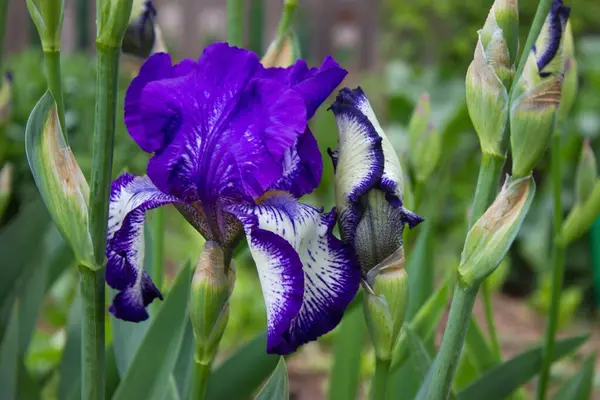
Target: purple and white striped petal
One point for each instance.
(298, 258)
(547, 48)
(364, 160)
(131, 196)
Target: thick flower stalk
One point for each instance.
(369, 198)
(232, 151)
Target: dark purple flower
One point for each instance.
(232, 151)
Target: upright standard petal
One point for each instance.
(307, 275)
(232, 130)
(131, 196)
(313, 84)
(547, 46)
(364, 160)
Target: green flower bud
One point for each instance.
(419, 120)
(487, 98)
(282, 52)
(385, 303)
(532, 120)
(425, 153)
(492, 235)
(47, 15)
(6, 178)
(581, 217)
(209, 301)
(112, 19)
(570, 80)
(59, 179)
(586, 174)
(6, 98)
(504, 16)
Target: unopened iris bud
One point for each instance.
(112, 22)
(47, 15)
(538, 94)
(419, 120)
(6, 179)
(59, 178)
(425, 153)
(140, 35)
(487, 77)
(503, 18)
(209, 301)
(285, 49)
(385, 303)
(6, 98)
(586, 174)
(492, 235)
(570, 80)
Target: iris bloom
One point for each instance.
(232, 151)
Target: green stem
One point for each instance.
(536, 27)
(235, 22)
(380, 380)
(52, 65)
(446, 362)
(107, 64)
(487, 184)
(3, 14)
(92, 333)
(558, 271)
(201, 374)
(287, 16)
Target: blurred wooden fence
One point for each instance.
(346, 27)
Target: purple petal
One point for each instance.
(131, 196)
(314, 84)
(233, 129)
(330, 274)
(302, 166)
(152, 137)
(548, 44)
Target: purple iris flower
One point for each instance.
(548, 43)
(233, 152)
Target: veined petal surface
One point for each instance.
(307, 275)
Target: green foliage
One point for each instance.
(581, 384)
(277, 387)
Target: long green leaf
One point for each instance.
(419, 353)
(347, 352)
(278, 386)
(579, 387)
(149, 373)
(69, 384)
(9, 357)
(182, 373)
(242, 373)
(480, 353)
(424, 323)
(27, 387)
(500, 381)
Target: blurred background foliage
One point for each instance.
(426, 46)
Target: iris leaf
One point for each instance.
(347, 351)
(580, 385)
(149, 373)
(9, 356)
(501, 380)
(278, 386)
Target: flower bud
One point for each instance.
(282, 52)
(112, 20)
(492, 235)
(538, 93)
(6, 178)
(6, 98)
(504, 16)
(385, 303)
(570, 80)
(59, 179)
(425, 153)
(419, 120)
(581, 218)
(212, 285)
(486, 94)
(47, 15)
(586, 174)
(140, 36)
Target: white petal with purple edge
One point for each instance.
(131, 196)
(330, 276)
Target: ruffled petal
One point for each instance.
(314, 84)
(302, 166)
(131, 196)
(364, 160)
(330, 274)
(547, 46)
(233, 130)
(152, 137)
